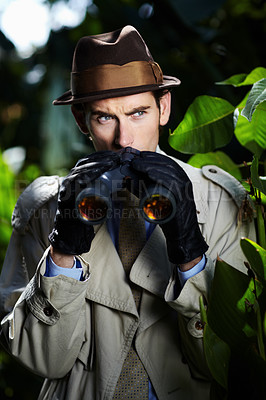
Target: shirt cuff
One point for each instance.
(53, 269)
(185, 275)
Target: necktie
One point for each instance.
(133, 380)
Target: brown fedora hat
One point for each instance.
(113, 64)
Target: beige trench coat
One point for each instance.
(77, 333)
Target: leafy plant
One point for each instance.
(7, 203)
(11, 185)
(210, 122)
(235, 321)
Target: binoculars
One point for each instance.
(95, 202)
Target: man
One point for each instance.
(101, 317)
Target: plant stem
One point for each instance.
(259, 330)
(203, 311)
(261, 227)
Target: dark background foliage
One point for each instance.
(200, 41)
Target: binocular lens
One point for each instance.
(93, 208)
(157, 207)
(93, 205)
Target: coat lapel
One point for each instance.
(108, 284)
(152, 269)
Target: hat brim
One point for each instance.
(68, 98)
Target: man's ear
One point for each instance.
(165, 108)
(80, 117)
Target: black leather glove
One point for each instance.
(184, 239)
(70, 235)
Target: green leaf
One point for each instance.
(217, 354)
(245, 79)
(207, 125)
(256, 96)
(228, 314)
(257, 181)
(251, 135)
(246, 306)
(5, 230)
(235, 80)
(256, 257)
(218, 158)
(7, 192)
(247, 188)
(249, 331)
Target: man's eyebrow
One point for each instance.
(106, 113)
(101, 113)
(137, 109)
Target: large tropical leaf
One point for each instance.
(245, 79)
(233, 320)
(251, 134)
(256, 96)
(216, 351)
(207, 125)
(256, 257)
(227, 314)
(258, 181)
(217, 354)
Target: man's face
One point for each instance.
(127, 121)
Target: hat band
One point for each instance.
(111, 76)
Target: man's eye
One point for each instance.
(138, 114)
(104, 118)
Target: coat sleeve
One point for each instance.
(49, 315)
(37, 305)
(222, 230)
(32, 221)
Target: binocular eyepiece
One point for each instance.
(94, 203)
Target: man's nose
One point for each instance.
(124, 135)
